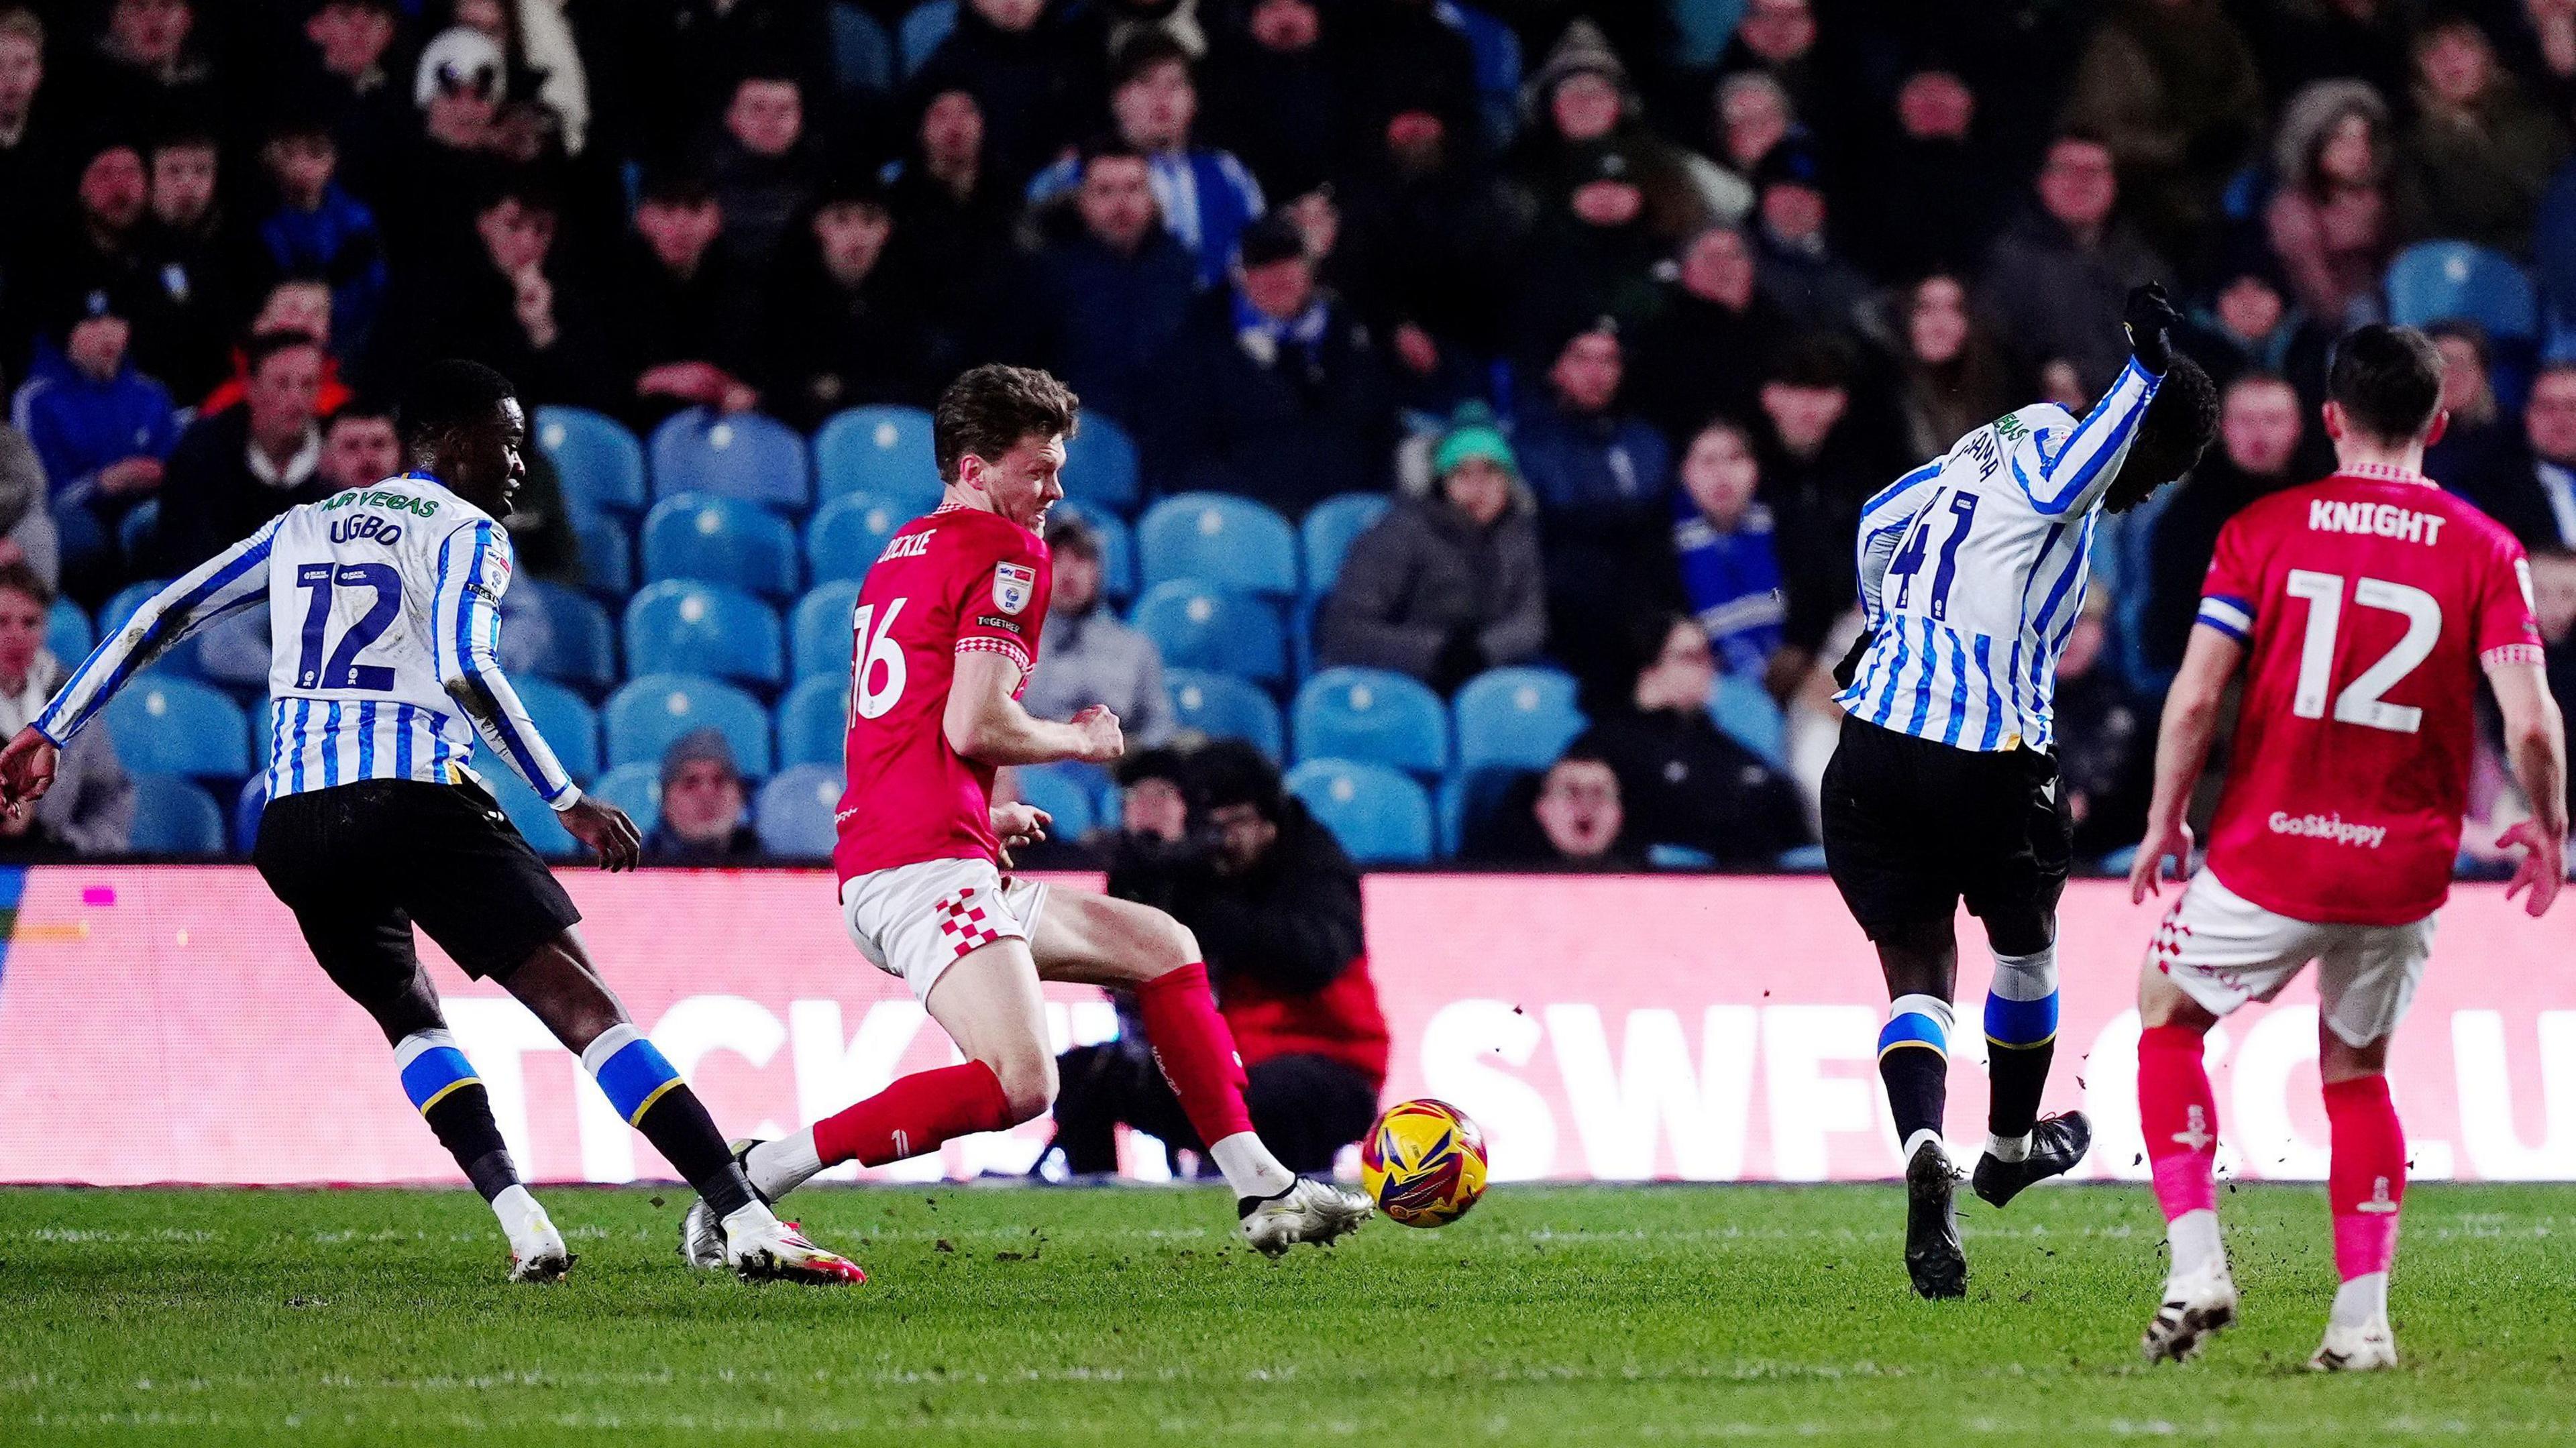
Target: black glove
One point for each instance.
(2150, 318)
(1850, 665)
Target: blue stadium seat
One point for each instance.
(818, 632)
(1063, 793)
(636, 789)
(814, 722)
(1222, 706)
(134, 531)
(165, 725)
(862, 53)
(1100, 466)
(1197, 626)
(175, 816)
(2434, 281)
(1331, 527)
(678, 627)
(1495, 51)
(1746, 713)
(646, 714)
(234, 651)
(607, 555)
(1218, 538)
(1117, 547)
(1469, 800)
(534, 818)
(741, 455)
(720, 540)
(848, 533)
(1803, 860)
(1371, 716)
(601, 463)
(794, 812)
(567, 723)
(924, 27)
(880, 450)
(68, 635)
(1518, 718)
(568, 636)
(247, 808)
(1381, 817)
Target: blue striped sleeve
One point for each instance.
(2085, 466)
(1883, 521)
(474, 572)
(226, 583)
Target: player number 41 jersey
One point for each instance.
(2368, 604)
(958, 581)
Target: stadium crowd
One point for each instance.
(1479, 400)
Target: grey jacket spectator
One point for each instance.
(1444, 588)
(90, 809)
(1090, 657)
(2056, 280)
(25, 527)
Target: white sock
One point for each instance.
(524, 1220)
(2193, 1237)
(2008, 1148)
(2361, 1300)
(1249, 1167)
(1915, 1142)
(750, 1217)
(779, 1167)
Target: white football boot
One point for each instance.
(2195, 1308)
(2362, 1349)
(1310, 1211)
(765, 1249)
(537, 1252)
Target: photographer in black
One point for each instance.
(1211, 837)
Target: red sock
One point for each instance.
(2179, 1115)
(2367, 1181)
(915, 1115)
(1196, 1050)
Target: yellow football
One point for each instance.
(1423, 1163)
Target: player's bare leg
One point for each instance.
(2365, 1186)
(559, 985)
(1095, 940)
(450, 1097)
(1921, 962)
(2179, 1116)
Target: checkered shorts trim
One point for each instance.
(964, 922)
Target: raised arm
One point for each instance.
(2182, 750)
(226, 583)
(985, 723)
(474, 566)
(2535, 742)
(2082, 469)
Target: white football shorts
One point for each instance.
(2224, 950)
(914, 921)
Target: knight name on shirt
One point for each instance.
(2386, 520)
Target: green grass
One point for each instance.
(1067, 1316)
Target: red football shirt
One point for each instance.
(958, 581)
(2369, 603)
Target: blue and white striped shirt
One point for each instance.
(1973, 568)
(384, 642)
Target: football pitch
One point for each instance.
(1012, 1315)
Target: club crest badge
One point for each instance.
(1013, 585)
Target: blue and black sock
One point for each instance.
(2021, 1042)
(450, 1097)
(1914, 1064)
(647, 1090)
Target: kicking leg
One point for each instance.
(2365, 1185)
(1921, 962)
(562, 988)
(2021, 1042)
(1095, 940)
(2179, 1116)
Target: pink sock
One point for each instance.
(915, 1115)
(1196, 1049)
(2367, 1181)
(2180, 1118)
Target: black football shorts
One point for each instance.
(1913, 827)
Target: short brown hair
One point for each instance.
(21, 577)
(20, 21)
(991, 409)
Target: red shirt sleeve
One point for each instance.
(1002, 599)
(2231, 594)
(2507, 631)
